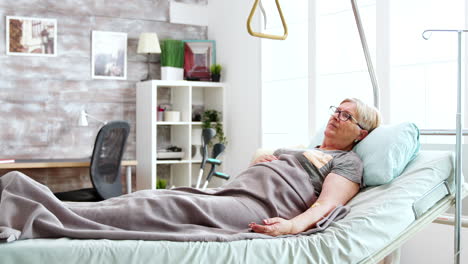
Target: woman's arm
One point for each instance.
(336, 190)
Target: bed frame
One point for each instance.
(317, 248)
(421, 222)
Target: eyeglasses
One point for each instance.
(343, 115)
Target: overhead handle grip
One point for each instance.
(263, 35)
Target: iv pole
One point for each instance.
(458, 154)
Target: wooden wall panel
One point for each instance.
(41, 97)
(201, 2)
(134, 9)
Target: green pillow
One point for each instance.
(385, 152)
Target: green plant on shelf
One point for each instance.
(161, 184)
(216, 69)
(212, 119)
(172, 53)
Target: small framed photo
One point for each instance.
(29, 36)
(197, 112)
(199, 55)
(109, 55)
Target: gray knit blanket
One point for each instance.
(280, 188)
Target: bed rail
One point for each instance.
(441, 132)
(415, 227)
(428, 217)
(437, 193)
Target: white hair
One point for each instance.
(367, 116)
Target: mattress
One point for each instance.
(378, 216)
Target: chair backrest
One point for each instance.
(107, 157)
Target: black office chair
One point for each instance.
(105, 165)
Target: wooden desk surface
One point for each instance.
(54, 163)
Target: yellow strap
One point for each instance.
(262, 35)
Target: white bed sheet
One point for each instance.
(377, 217)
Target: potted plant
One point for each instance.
(215, 70)
(212, 119)
(161, 184)
(172, 59)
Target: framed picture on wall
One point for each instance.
(29, 36)
(109, 55)
(199, 55)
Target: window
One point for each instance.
(424, 72)
(417, 77)
(285, 76)
(341, 67)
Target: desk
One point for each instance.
(65, 163)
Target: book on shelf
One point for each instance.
(7, 161)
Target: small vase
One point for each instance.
(215, 77)
(196, 152)
(172, 73)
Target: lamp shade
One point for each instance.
(148, 43)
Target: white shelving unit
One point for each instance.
(182, 95)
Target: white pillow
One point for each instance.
(385, 152)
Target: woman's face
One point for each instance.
(343, 133)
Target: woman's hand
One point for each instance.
(264, 158)
(276, 226)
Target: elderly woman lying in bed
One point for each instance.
(280, 194)
(334, 170)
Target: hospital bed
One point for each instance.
(380, 220)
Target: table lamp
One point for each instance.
(83, 121)
(148, 43)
